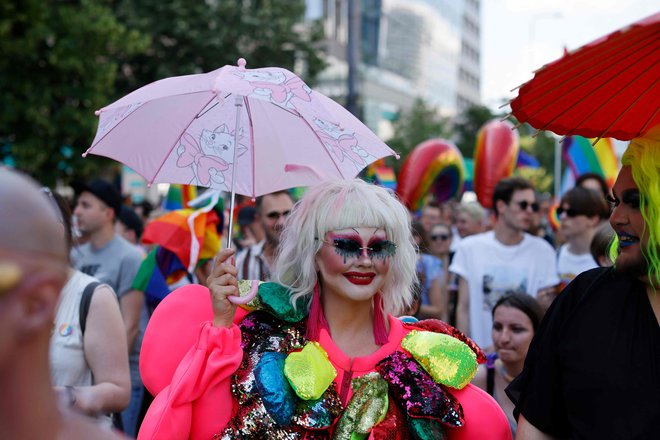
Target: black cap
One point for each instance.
(246, 215)
(104, 191)
(131, 220)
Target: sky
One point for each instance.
(519, 36)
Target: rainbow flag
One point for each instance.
(178, 196)
(380, 174)
(609, 163)
(172, 232)
(158, 271)
(581, 157)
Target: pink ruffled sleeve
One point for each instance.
(484, 419)
(197, 403)
(187, 364)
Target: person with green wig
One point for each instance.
(593, 368)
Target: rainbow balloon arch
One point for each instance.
(435, 166)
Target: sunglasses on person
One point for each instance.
(525, 204)
(441, 237)
(349, 248)
(275, 215)
(570, 212)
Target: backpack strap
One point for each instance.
(85, 301)
(490, 373)
(490, 381)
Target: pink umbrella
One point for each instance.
(246, 131)
(264, 126)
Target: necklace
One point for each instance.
(506, 376)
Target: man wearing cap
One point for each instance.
(254, 263)
(129, 225)
(112, 260)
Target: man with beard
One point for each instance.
(254, 263)
(593, 368)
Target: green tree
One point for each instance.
(57, 67)
(467, 126)
(420, 123)
(63, 60)
(200, 36)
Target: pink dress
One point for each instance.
(187, 364)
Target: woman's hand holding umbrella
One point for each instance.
(222, 284)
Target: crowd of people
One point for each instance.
(350, 333)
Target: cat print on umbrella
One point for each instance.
(211, 158)
(276, 87)
(342, 144)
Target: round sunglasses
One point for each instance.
(349, 248)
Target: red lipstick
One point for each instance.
(360, 278)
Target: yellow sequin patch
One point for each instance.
(309, 371)
(449, 361)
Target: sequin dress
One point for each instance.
(203, 378)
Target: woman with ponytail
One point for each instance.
(318, 353)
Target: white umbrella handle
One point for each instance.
(238, 102)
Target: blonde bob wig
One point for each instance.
(335, 205)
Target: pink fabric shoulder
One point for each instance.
(187, 363)
(172, 330)
(484, 419)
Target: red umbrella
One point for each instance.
(607, 88)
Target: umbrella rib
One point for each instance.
(588, 95)
(582, 76)
(324, 147)
(643, 130)
(570, 132)
(616, 42)
(297, 114)
(631, 104)
(199, 115)
(583, 61)
(249, 116)
(151, 181)
(119, 123)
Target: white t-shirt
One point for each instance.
(570, 265)
(493, 269)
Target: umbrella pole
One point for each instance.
(238, 103)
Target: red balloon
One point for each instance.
(494, 158)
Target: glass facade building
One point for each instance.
(408, 49)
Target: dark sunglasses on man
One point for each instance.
(441, 237)
(570, 212)
(525, 204)
(275, 215)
